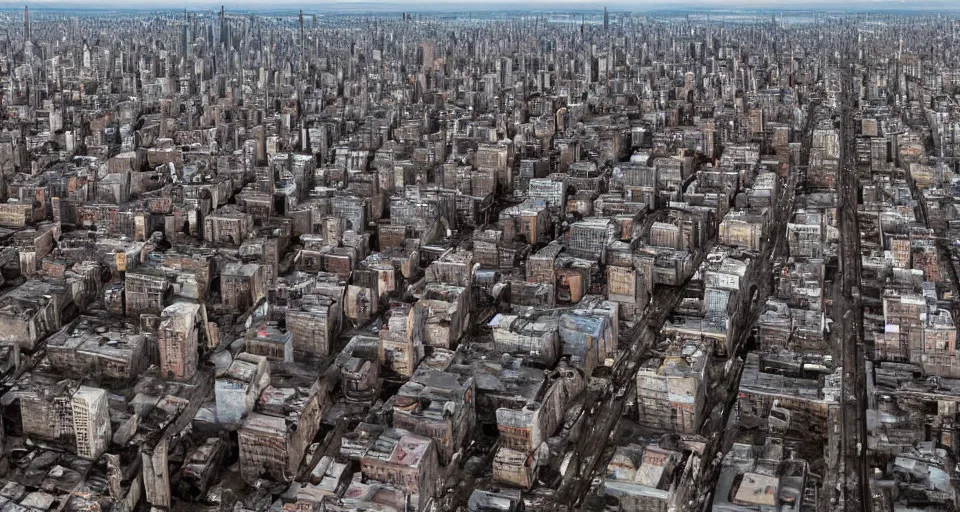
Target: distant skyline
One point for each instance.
(495, 5)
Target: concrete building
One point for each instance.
(91, 422)
(177, 339)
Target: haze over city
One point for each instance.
(498, 5)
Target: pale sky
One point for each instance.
(479, 5)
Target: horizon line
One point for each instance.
(388, 6)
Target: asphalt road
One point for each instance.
(603, 412)
(848, 311)
(601, 419)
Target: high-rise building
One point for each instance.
(91, 422)
(429, 54)
(177, 339)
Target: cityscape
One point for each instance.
(426, 258)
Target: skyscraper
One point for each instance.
(429, 53)
(177, 340)
(91, 422)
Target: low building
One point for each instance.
(15, 215)
(807, 398)
(359, 367)
(760, 478)
(32, 311)
(404, 460)
(500, 501)
(744, 229)
(525, 427)
(626, 287)
(236, 391)
(93, 346)
(642, 477)
(446, 312)
(439, 405)
(46, 410)
(671, 391)
(529, 221)
(587, 336)
(267, 340)
(590, 237)
(368, 496)
(360, 377)
(541, 266)
(534, 336)
(201, 468)
(274, 437)
(227, 226)
(145, 291)
(315, 323)
(243, 285)
(401, 339)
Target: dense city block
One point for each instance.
(479, 262)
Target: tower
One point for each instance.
(301, 43)
(91, 421)
(177, 340)
(606, 19)
(26, 23)
(184, 40)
